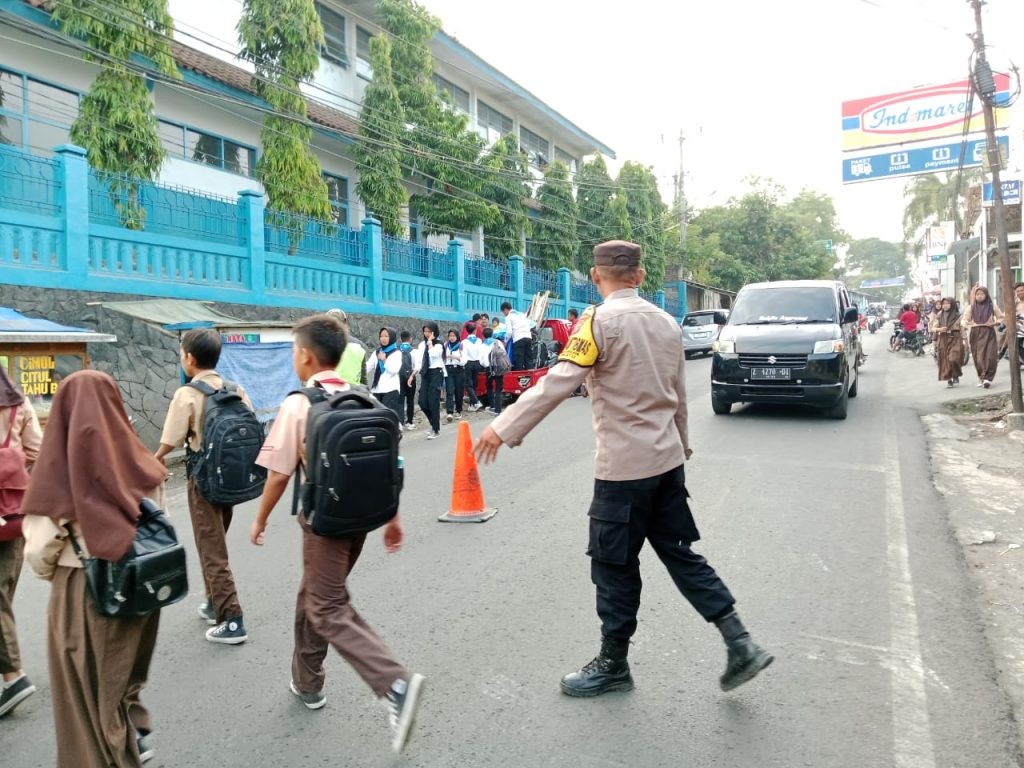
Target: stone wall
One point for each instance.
(144, 360)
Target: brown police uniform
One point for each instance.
(630, 353)
(210, 522)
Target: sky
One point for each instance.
(756, 87)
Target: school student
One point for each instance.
(21, 436)
(454, 381)
(407, 381)
(494, 348)
(382, 371)
(471, 348)
(428, 361)
(91, 475)
(353, 365)
(324, 615)
(200, 353)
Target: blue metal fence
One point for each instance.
(314, 238)
(484, 272)
(417, 259)
(28, 183)
(538, 280)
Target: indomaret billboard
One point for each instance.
(927, 113)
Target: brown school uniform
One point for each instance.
(91, 474)
(324, 615)
(210, 522)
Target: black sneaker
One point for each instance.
(229, 632)
(311, 700)
(205, 612)
(402, 705)
(16, 693)
(145, 749)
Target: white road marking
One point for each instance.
(911, 729)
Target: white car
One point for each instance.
(700, 330)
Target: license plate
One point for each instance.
(769, 373)
(702, 335)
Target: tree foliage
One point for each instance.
(116, 123)
(507, 186)
(595, 195)
(377, 156)
(557, 240)
(647, 218)
(759, 237)
(875, 259)
(934, 198)
(282, 39)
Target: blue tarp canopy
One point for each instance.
(264, 370)
(15, 327)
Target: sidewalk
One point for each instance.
(977, 465)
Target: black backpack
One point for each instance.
(352, 478)
(406, 370)
(225, 470)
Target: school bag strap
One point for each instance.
(315, 394)
(206, 389)
(10, 427)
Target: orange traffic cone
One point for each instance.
(467, 493)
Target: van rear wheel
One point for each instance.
(719, 406)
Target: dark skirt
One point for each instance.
(950, 347)
(98, 668)
(985, 351)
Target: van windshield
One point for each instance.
(784, 305)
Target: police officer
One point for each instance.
(631, 355)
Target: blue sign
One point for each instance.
(889, 281)
(910, 162)
(1011, 193)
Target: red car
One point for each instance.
(553, 333)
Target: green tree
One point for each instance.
(556, 238)
(441, 154)
(116, 123)
(875, 259)
(703, 253)
(647, 219)
(619, 226)
(595, 194)
(934, 198)
(377, 156)
(282, 39)
(507, 186)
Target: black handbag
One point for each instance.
(150, 576)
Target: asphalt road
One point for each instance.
(829, 533)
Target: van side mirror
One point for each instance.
(850, 316)
(721, 318)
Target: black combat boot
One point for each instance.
(609, 671)
(746, 658)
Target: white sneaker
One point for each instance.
(410, 426)
(986, 384)
(433, 436)
(449, 418)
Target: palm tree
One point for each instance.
(936, 197)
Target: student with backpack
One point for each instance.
(382, 371)
(88, 482)
(429, 362)
(455, 378)
(407, 380)
(214, 419)
(498, 365)
(334, 492)
(22, 437)
(471, 349)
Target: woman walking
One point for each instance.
(981, 319)
(383, 369)
(19, 428)
(91, 474)
(454, 381)
(945, 324)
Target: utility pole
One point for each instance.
(984, 84)
(681, 192)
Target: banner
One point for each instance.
(1011, 193)
(933, 112)
(918, 160)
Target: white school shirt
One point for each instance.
(389, 380)
(517, 326)
(456, 358)
(485, 353)
(471, 349)
(436, 357)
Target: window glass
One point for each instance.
(363, 68)
(52, 103)
(239, 158)
(788, 305)
(39, 376)
(43, 137)
(172, 137)
(537, 148)
(489, 118)
(459, 96)
(12, 96)
(334, 35)
(204, 148)
(337, 193)
(10, 131)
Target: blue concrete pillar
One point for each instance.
(682, 297)
(659, 298)
(517, 276)
(457, 253)
(73, 198)
(374, 240)
(565, 289)
(251, 208)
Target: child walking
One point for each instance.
(454, 381)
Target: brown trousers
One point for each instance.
(985, 351)
(324, 617)
(11, 557)
(210, 524)
(98, 668)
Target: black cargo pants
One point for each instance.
(623, 514)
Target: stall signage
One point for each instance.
(35, 375)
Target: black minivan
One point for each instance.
(791, 341)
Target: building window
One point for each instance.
(182, 141)
(493, 125)
(35, 115)
(337, 193)
(458, 96)
(363, 67)
(533, 145)
(334, 35)
(562, 156)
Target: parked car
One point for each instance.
(788, 342)
(700, 329)
(552, 336)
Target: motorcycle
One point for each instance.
(872, 323)
(1020, 340)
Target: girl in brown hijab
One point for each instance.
(981, 319)
(91, 474)
(945, 324)
(19, 429)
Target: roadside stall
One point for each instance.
(38, 354)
